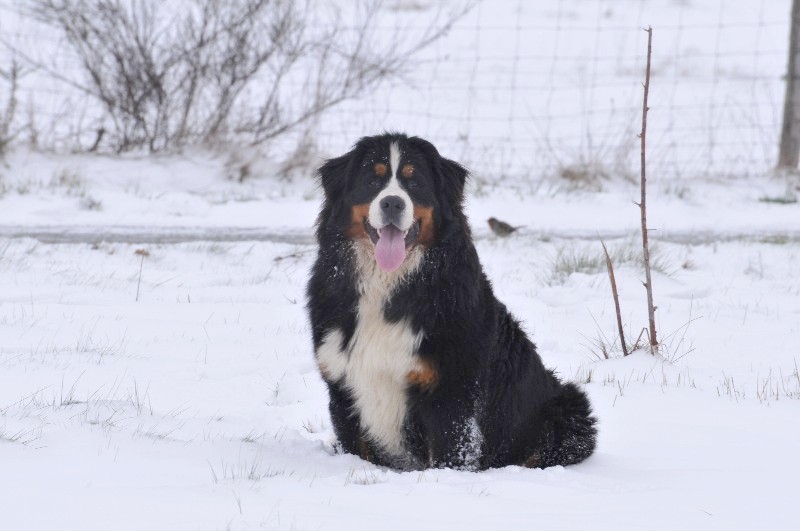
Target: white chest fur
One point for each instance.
(376, 362)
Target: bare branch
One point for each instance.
(613, 281)
(651, 310)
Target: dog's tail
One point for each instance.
(568, 429)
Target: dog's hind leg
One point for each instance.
(568, 433)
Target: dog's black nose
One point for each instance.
(392, 205)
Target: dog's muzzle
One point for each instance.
(392, 210)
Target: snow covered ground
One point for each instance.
(198, 406)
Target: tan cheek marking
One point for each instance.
(357, 216)
(425, 217)
(408, 171)
(424, 375)
(380, 169)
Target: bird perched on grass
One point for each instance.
(501, 228)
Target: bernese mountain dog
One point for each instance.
(424, 366)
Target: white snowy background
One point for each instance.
(198, 406)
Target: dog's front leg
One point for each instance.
(452, 435)
(347, 425)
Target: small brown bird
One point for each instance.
(501, 228)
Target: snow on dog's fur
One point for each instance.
(424, 366)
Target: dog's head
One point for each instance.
(392, 193)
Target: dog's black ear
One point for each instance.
(450, 175)
(333, 174)
(453, 177)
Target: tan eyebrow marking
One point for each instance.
(408, 171)
(380, 169)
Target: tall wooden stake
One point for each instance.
(651, 309)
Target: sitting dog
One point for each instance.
(424, 366)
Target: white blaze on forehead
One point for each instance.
(392, 188)
(394, 159)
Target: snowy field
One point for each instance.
(199, 406)
(156, 366)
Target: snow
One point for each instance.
(199, 406)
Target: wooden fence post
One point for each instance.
(789, 155)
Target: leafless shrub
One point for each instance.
(169, 74)
(9, 77)
(594, 166)
(598, 160)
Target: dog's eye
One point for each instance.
(380, 169)
(408, 171)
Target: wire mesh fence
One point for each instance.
(528, 92)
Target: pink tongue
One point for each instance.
(390, 251)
